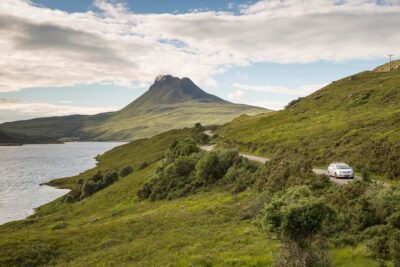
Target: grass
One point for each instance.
(353, 257)
(355, 120)
(113, 228)
(139, 124)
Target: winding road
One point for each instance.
(264, 160)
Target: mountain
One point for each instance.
(219, 225)
(355, 119)
(168, 90)
(170, 103)
(13, 139)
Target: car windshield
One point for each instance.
(343, 166)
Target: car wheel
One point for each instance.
(336, 175)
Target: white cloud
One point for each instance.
(11, 110)
(236, 96)
(299, 91)
(42, 47)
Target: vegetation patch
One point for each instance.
(185, 171)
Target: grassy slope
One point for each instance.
(165, 117)
(170, 103)
(111, 228)
(336, 123)
(139, 124)
(19, 139)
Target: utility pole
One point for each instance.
(390, 57)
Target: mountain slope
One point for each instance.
(355, 119)
(168, 90)
(7, 138)
(170, 103)
(113, 228)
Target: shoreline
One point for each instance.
(46, 191)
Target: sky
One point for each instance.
(61, 57)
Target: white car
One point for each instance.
(340, 170)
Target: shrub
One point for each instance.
(125, 171)
(144, 191)
(238, 179)
(92, 185)
(394, 247)
(110, 178)
(88, 189)
(184, 147)
(365, 175)
(319, 184)
(297, 218)
(143, 165)
(97, 177)
(293, 102)
(73, 195)
(208, 168)
(184, 171)
(31, 254)
(201, 138)
(378, 241)
(301, 221)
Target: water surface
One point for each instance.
(24, 168)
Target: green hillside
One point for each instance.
(112, 228)
(170, 103)
(355, 119)
(211, 227)
(7, 138)
(184, 207)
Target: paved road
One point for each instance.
(334, 180)
(263, 160)
(250, 157)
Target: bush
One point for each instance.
(201, 138)
(184, 147)
(143, 165)
(97, 177)
(31, 254)
(88, 189)
(298, 218)
(365, 175)
(208, 168)
(144, 191)
(184, 172)
(73, 195)
(110, 178)
(125, 171)
(394, 247)
(301, 221)
(293, 102)
(238, 179)
(319, 184)
(97, 182)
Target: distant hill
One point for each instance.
(13, 139)
(170, 103)
(355, 119)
